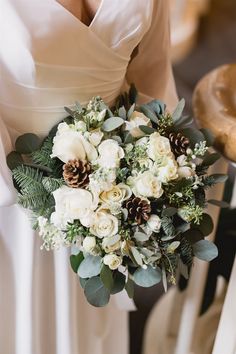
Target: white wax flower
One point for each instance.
(89, 243)
(146, 185)
(70, 144)
(154, 223)
(158, 146)
(110, 154)
(73, 204)
(136, 119)
(112, 261)
(104, 224)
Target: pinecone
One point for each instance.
(139, 210)
(179, 143)
(76, 173)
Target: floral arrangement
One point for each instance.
(124, 188)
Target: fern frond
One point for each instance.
(51, 184)
(33, 201)
(186, 252)
(42, 156)
(28, 177)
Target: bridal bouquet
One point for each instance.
(124, 188)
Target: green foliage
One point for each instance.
(147, 277)
(205, 250)
(27, 143)
(90, 266)
(112, 123)
(186, 252)
(75, 260)
(118, 282)
(96, 293)
(106, 277)
(51, 184)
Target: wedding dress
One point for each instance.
(50, 59)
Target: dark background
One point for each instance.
(216, 45)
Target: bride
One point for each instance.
(53, 53)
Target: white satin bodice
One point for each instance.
(61, 60)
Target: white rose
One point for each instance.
(104, 224)
(110, 154)
(158, 146)
(146, 185)
(95, 137)
(167, 170)
(111, 244)
(89, 243)
(136, 119)
(73, 204)
(185, 172)
(154, 223)
(142, 142)
(112, 261)
(69, 144)
(117, 194)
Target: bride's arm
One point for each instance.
(151, 70)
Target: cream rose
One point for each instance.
(70, 144)
(95, 137)
(146, 185)
(111, 244)
(136, 119)
(73, 204)
(104, 224)
(154, 223)
(167, 170)
(89, 244)
(117, 194)
(185, 172)
(158, 146)
(110, 154)
(112, 261)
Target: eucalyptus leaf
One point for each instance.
(129, 287)
(118, 282)
(90, 266)
(193, 235)
(141, 236)
(147, 277)
(219, 203)
(169, 212)
(112, 123)
(75, 261)
(122, 112)
(96, 293)
(149, 113)
(219, 178)
(195, 136)
(131, 110)
(27, 143)
(209, 136)
(83, 282)
(106, 277)
(14, 159)
(157, 106)
(206, 225)
(164, 278)
(205, 250)
(133, 94)
(137, 256)
(184, 121)
(147, 130)
(178, 110)
(128, 138)
(210, 159)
